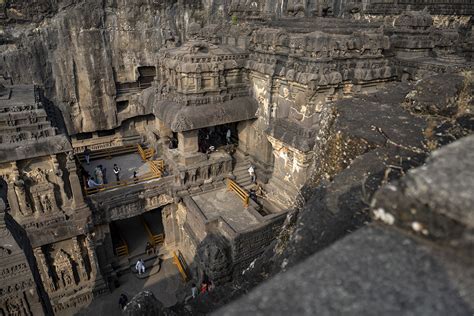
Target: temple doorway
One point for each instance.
(217, 136)
(130, 236)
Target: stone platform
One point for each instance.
(225, 204)
(164, 285)
(128, 163)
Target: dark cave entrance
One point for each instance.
(217, 136)
(130, 235)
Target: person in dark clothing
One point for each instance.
(135, 178)
(253, 195)
(117, 172)
(149, 249)
(87, 155)
(123, 300)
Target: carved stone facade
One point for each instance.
(269, 70)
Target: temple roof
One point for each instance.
(25, 129)
(180, 117)
(198, 55)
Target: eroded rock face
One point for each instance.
(86, 46)
(438, 95)
(436, 200)
(144, 304)
(372, 271)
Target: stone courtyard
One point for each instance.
(287, 157)
(163, 285)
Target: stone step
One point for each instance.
(150, 269)
(243, 173)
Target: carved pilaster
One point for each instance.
(78, 257)
(59, 179)
(90, 246)
(45, 271)
(78, 199)
(12, 197)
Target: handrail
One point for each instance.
(157, 166)
(146, 154)
(148, 231)
(154, 239)
(107, 152)
(159, 239)
(122, 183)
(122, 251)
(178, 261)
(233, 186)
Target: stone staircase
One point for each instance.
(242, 176)
(153, 262)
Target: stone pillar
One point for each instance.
(188, 142)
(90, 246)
(11, 196)
(59, 179)
(170, 225)
(78, 198)
(78, 257)
(44, 268)
(164, 130)
(188, 147)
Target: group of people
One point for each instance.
(210, 138)
(206, 286)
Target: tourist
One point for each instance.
(91, 183)
(259, 191)
(210, 150)
(99, 176)
(211, 286)
(104, 174)
(135, 178)
(203, 287)
(123, 300)
(140, 266)
(251, 171)
(149, 249)
(117, 172)
(228, 135)
(253, 195)
(194, 290)
(87, 155)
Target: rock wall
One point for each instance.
(79, 49)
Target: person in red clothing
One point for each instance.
(203, 287)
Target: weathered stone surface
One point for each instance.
(363, 123)
(373, 271)
(294, 88)
(440, 95)
(144, 304)
(435, 201)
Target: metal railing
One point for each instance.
(122, 251)
(146, 154)
(122, 183)
(243, 195)
(181, 264)
(154, 240)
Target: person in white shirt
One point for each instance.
(140, 266)
(228, 135)
(251, 171)
(117, 172)
(91, 183)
